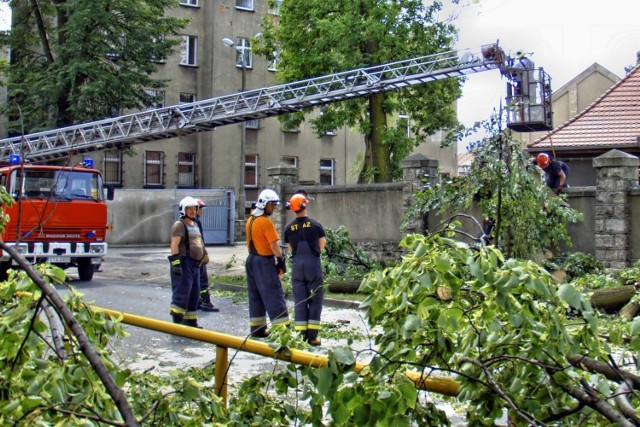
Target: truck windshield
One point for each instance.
(64, 184)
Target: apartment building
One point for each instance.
(214, 59)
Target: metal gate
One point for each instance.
(217, 218)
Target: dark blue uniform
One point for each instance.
(303, 234)
(552, 174)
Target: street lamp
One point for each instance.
(243, 51)
(243, 135)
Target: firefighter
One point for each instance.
(556, 172)
(187, 251)
(305, 240)
(204, 303)
(264, 266)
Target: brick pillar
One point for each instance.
(417, 170)
(617, 173)
(280, 178)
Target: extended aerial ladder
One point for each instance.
(185, 119)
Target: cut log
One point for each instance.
(630, 310)
(612, 299)
(559, 276)
(343, 286)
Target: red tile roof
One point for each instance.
(611, 121)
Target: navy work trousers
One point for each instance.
(265, 294)
(185, 289)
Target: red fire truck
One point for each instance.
(59, 216)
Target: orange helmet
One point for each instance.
(297, 203)
(543, 160)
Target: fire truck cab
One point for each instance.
(59, 216)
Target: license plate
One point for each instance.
(59, 259)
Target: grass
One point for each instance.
(228, 280)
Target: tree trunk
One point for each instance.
(612, 299)
(377, 154)
(382, 156)
(630, 310)
(343, 286)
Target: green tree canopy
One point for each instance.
(81, 60)
(507, 189)
(317, 37)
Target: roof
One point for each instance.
(465, 159)
(611, 121)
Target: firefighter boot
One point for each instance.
(205, 303)
(177, 317)
(191, 322)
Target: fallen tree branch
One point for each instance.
(493, 385)
(85, 344)
(611, 373)
(623, 403)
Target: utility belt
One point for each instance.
(263, 256)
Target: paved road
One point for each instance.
(135, 280)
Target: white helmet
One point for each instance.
(265, 197)
(185, 203)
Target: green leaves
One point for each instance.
(504, 315)
(508, 189)
(316, 37)
(87, 59)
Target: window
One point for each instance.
(251, 171)
(114, 43)
(155, 57)
(274, 6)
(189, 51)
(187, 98)
(273, 64)
(186, 170)
(290, 161)
(243, 53)
(158, 99)
(252, 124)
(404, 121)
(192, 3)
(330, 132)
(153, 168)
(289, 125)
(326, 171)
(112, 167)
(244, 4)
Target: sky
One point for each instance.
(565, 37)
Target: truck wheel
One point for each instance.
(85, 269)
(4, 267)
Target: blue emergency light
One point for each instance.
(14, 159)
(88, 163)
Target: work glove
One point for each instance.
(176, 265)
(281, 265)
(204, 260)
(559, 189)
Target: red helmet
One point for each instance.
(297, 203)
(543, 160)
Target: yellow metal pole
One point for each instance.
(222, 365)
(442, 385)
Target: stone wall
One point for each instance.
(373, 213)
